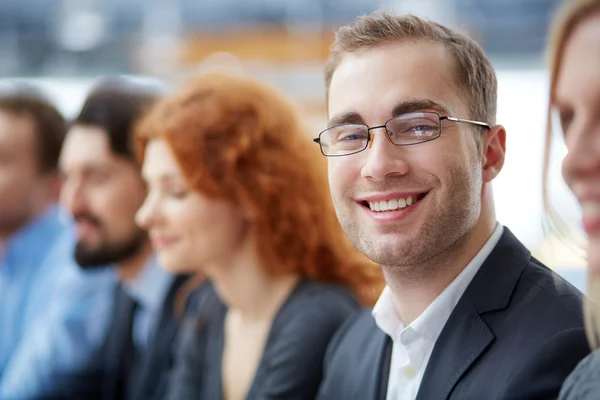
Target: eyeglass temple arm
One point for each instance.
(468, 121)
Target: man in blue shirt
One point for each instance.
(44, 297)
(103, 190)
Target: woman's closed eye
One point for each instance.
(566, 117)
(178, 194)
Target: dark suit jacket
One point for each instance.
(150, 382)
(292, 360)
(516, 333)
(103, 380)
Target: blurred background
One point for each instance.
(63, 45)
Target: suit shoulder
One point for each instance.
(552, 287)
(356, 345)
(357, 331)
(540, 301)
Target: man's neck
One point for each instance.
(130, 268)
(414, 292)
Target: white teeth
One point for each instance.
(391, 205)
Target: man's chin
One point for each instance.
(90, 256)
(91, 260)
(389, 250)
(108, 254)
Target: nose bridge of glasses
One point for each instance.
(372, 136)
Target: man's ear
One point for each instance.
(493, 152)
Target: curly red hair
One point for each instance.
(237, 139)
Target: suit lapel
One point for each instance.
(384, 373)
(370, 378)
(115, 345)
(466, 336)
(371, 365)
(454, 352)
(360, 367)
(159, 355)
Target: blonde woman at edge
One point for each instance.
(575, 96)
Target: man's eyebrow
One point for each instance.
(350, 117)
(419, 105)
(404, 107)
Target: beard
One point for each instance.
(451, 215)
(107, 252)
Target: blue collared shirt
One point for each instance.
(149, 289)
(53, 315)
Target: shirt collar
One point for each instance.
(151, 285)
(385, 313)
(431, 322)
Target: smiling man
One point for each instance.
(413, 148)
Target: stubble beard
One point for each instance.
(106, 253)
(428, 247)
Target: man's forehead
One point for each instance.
(375, 81)
(86, 147)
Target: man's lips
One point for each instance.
(385, 202)
(84, 228)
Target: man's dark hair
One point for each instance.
(27, 101)
(114, 104)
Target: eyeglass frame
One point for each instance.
(370, 135)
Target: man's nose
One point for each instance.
(383, 158)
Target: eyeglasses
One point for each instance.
(402, 130)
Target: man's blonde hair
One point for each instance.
(474, 72)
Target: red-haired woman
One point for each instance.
(237, 193)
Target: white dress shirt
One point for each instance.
(413, 344)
